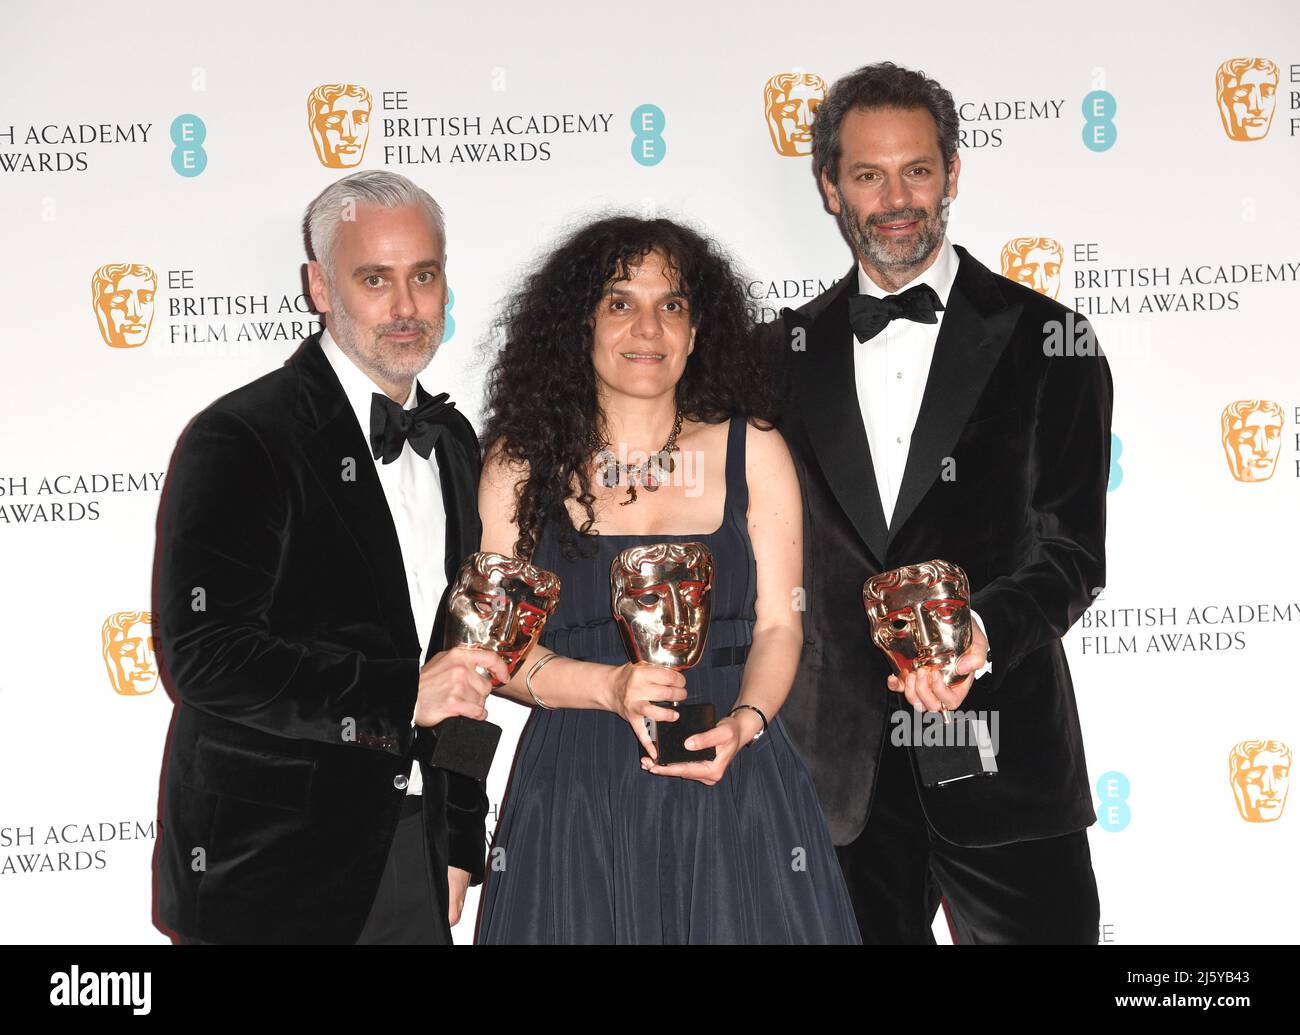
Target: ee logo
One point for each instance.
(188, 156)
(1113, 813)
(1098, 129)
(648, 147)
(1116, 472)
(449, 321)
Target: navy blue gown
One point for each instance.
(591, 849)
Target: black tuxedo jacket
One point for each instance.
(1021, 508)
(286, 635)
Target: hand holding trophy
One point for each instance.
(660, 595)
(920, 618)
(499, 604)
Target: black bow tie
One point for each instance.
(869, 315)
(391, 426)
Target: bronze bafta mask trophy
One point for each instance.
(920, 617)
(500, 604)
(660, 594)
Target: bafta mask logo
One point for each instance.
(790, 100)
(920, 615)
(1034, 262)
(338, 115)
(500, 604)
(1260, 773)
(660, 594)
(1247, 92)
(129, 653)
(122, 294)
(1252, 438)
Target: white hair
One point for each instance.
(369, 187)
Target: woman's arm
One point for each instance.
(566, 682)
(776, 536)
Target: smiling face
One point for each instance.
(384, 304)
(500, 604)
(888, 194)
(642, 332)
(920, 617)
(661, 600)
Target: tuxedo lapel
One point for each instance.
(339, 457)
(458, 471)
(977, 324)
(830, 412)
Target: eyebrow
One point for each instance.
(927, 160)
(616, 292)
(370, 269)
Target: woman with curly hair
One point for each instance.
(629, 406)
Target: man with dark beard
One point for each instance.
(311, 524)
(930, 417)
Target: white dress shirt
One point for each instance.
(890, 371)
(413, 490)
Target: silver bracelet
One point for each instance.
(528, 680)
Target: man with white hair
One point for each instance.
(310, 525)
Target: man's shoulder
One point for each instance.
(996, 292)
(261, 403)
(265, 406)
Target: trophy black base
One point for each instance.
(460, 745)
(670, 737)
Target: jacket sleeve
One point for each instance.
(1064, 564)
(466, 810)
(225, 519)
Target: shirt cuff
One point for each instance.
(987, 667)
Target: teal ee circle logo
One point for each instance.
(1116, 472)
(448, 321)
(1113, 813)
(188, 156)
(1098, 127)
(648, 147)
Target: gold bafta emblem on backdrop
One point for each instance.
(1260, 774)
(122, 294)
(1246, 89)
(1035, 262)
(338, 115)
(1252, 438)
(129, 653)
(790, 100)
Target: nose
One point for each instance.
(503, 618)
(1254, 101)
(673, 619)
(133, 306)
(898, 193)
(348, 131)
(403, 301)
(923, 637)
(647, 324)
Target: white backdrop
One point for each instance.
(177, 138)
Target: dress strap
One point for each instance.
(737, 484)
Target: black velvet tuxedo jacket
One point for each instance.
(286, 635)
(1022, 509)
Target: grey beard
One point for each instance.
(349, 337)
(878, 253)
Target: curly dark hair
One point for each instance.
(541, 392)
